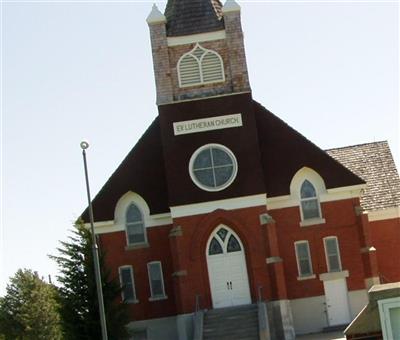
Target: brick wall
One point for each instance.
(385, 235)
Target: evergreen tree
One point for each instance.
(79, 304)
(29, 310)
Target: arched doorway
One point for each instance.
(227, 270)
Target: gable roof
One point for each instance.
(142, 171)
(284, 151)
(374, 163)
(193, 16)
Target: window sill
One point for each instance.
(308, 277)
(137, 246)
(131, 301)
(312, 221)
(158, 298)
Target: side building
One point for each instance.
(222, 204)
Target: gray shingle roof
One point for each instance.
(373, 162)
(193, 16)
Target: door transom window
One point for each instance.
(224, 241)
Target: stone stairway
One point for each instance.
(233, 323)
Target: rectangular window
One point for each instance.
(127, 284)
(332, 254)
(156, 280)
(304, 265)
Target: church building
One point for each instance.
(222, 211)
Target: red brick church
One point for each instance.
(222, 211)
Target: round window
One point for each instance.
(213, 167)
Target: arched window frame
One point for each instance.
(132, 223)
(310, 175)
(121, 209)
(200, 66)
(224, 243)
(309, 199)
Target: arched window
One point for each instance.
(310, 207)
(224, 241)
(200, 66)
(135, 229)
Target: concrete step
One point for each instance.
(240, 322)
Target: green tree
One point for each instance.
(30, 310)
(79, 304)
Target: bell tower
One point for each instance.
(198, 50)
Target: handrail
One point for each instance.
(260, 290)
(197, 302)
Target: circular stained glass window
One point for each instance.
(213, 167)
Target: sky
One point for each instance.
(83, 70)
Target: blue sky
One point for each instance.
(72, 71)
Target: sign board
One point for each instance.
(207, 124)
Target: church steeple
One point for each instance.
(198, 50)
(193, 16)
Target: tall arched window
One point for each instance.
(135, 228)
(200, 66)
(310, 207)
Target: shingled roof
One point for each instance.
(193, 16)
(373, 162)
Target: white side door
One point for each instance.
(337, 303)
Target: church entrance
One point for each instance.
(227, 269)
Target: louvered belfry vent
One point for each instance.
(200, 66)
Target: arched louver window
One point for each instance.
(200, 66)
(309, 201)
(135, 228)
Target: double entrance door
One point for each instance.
(227, 269)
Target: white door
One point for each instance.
(337, 303)
(227, 269)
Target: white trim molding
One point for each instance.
(334, 275)
(384, 214)
(226, 204)
(196, 38)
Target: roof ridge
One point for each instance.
(360, 144)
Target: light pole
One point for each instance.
(84, 146)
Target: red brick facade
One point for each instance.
(183, 254)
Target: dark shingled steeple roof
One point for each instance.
(193, 16)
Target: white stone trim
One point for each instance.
(384, 214)
(155, 16)
(230, 6)
(335, 194)
(196, 38)
(334, 275)
(312, 221)
(226, 204)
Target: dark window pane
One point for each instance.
(302, 250)
(222, 233)
(133, 214)
(136, 233)
(215, 247)
(310, 208)
(223, 175)
(203, 160)
(331, 246)
(221, 157)
(307, 190)
(334, 265)
(157, 287)
(233, 244)
(305, 267)
(127, 284)
(205, 177)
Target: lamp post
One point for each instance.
(84, 146)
